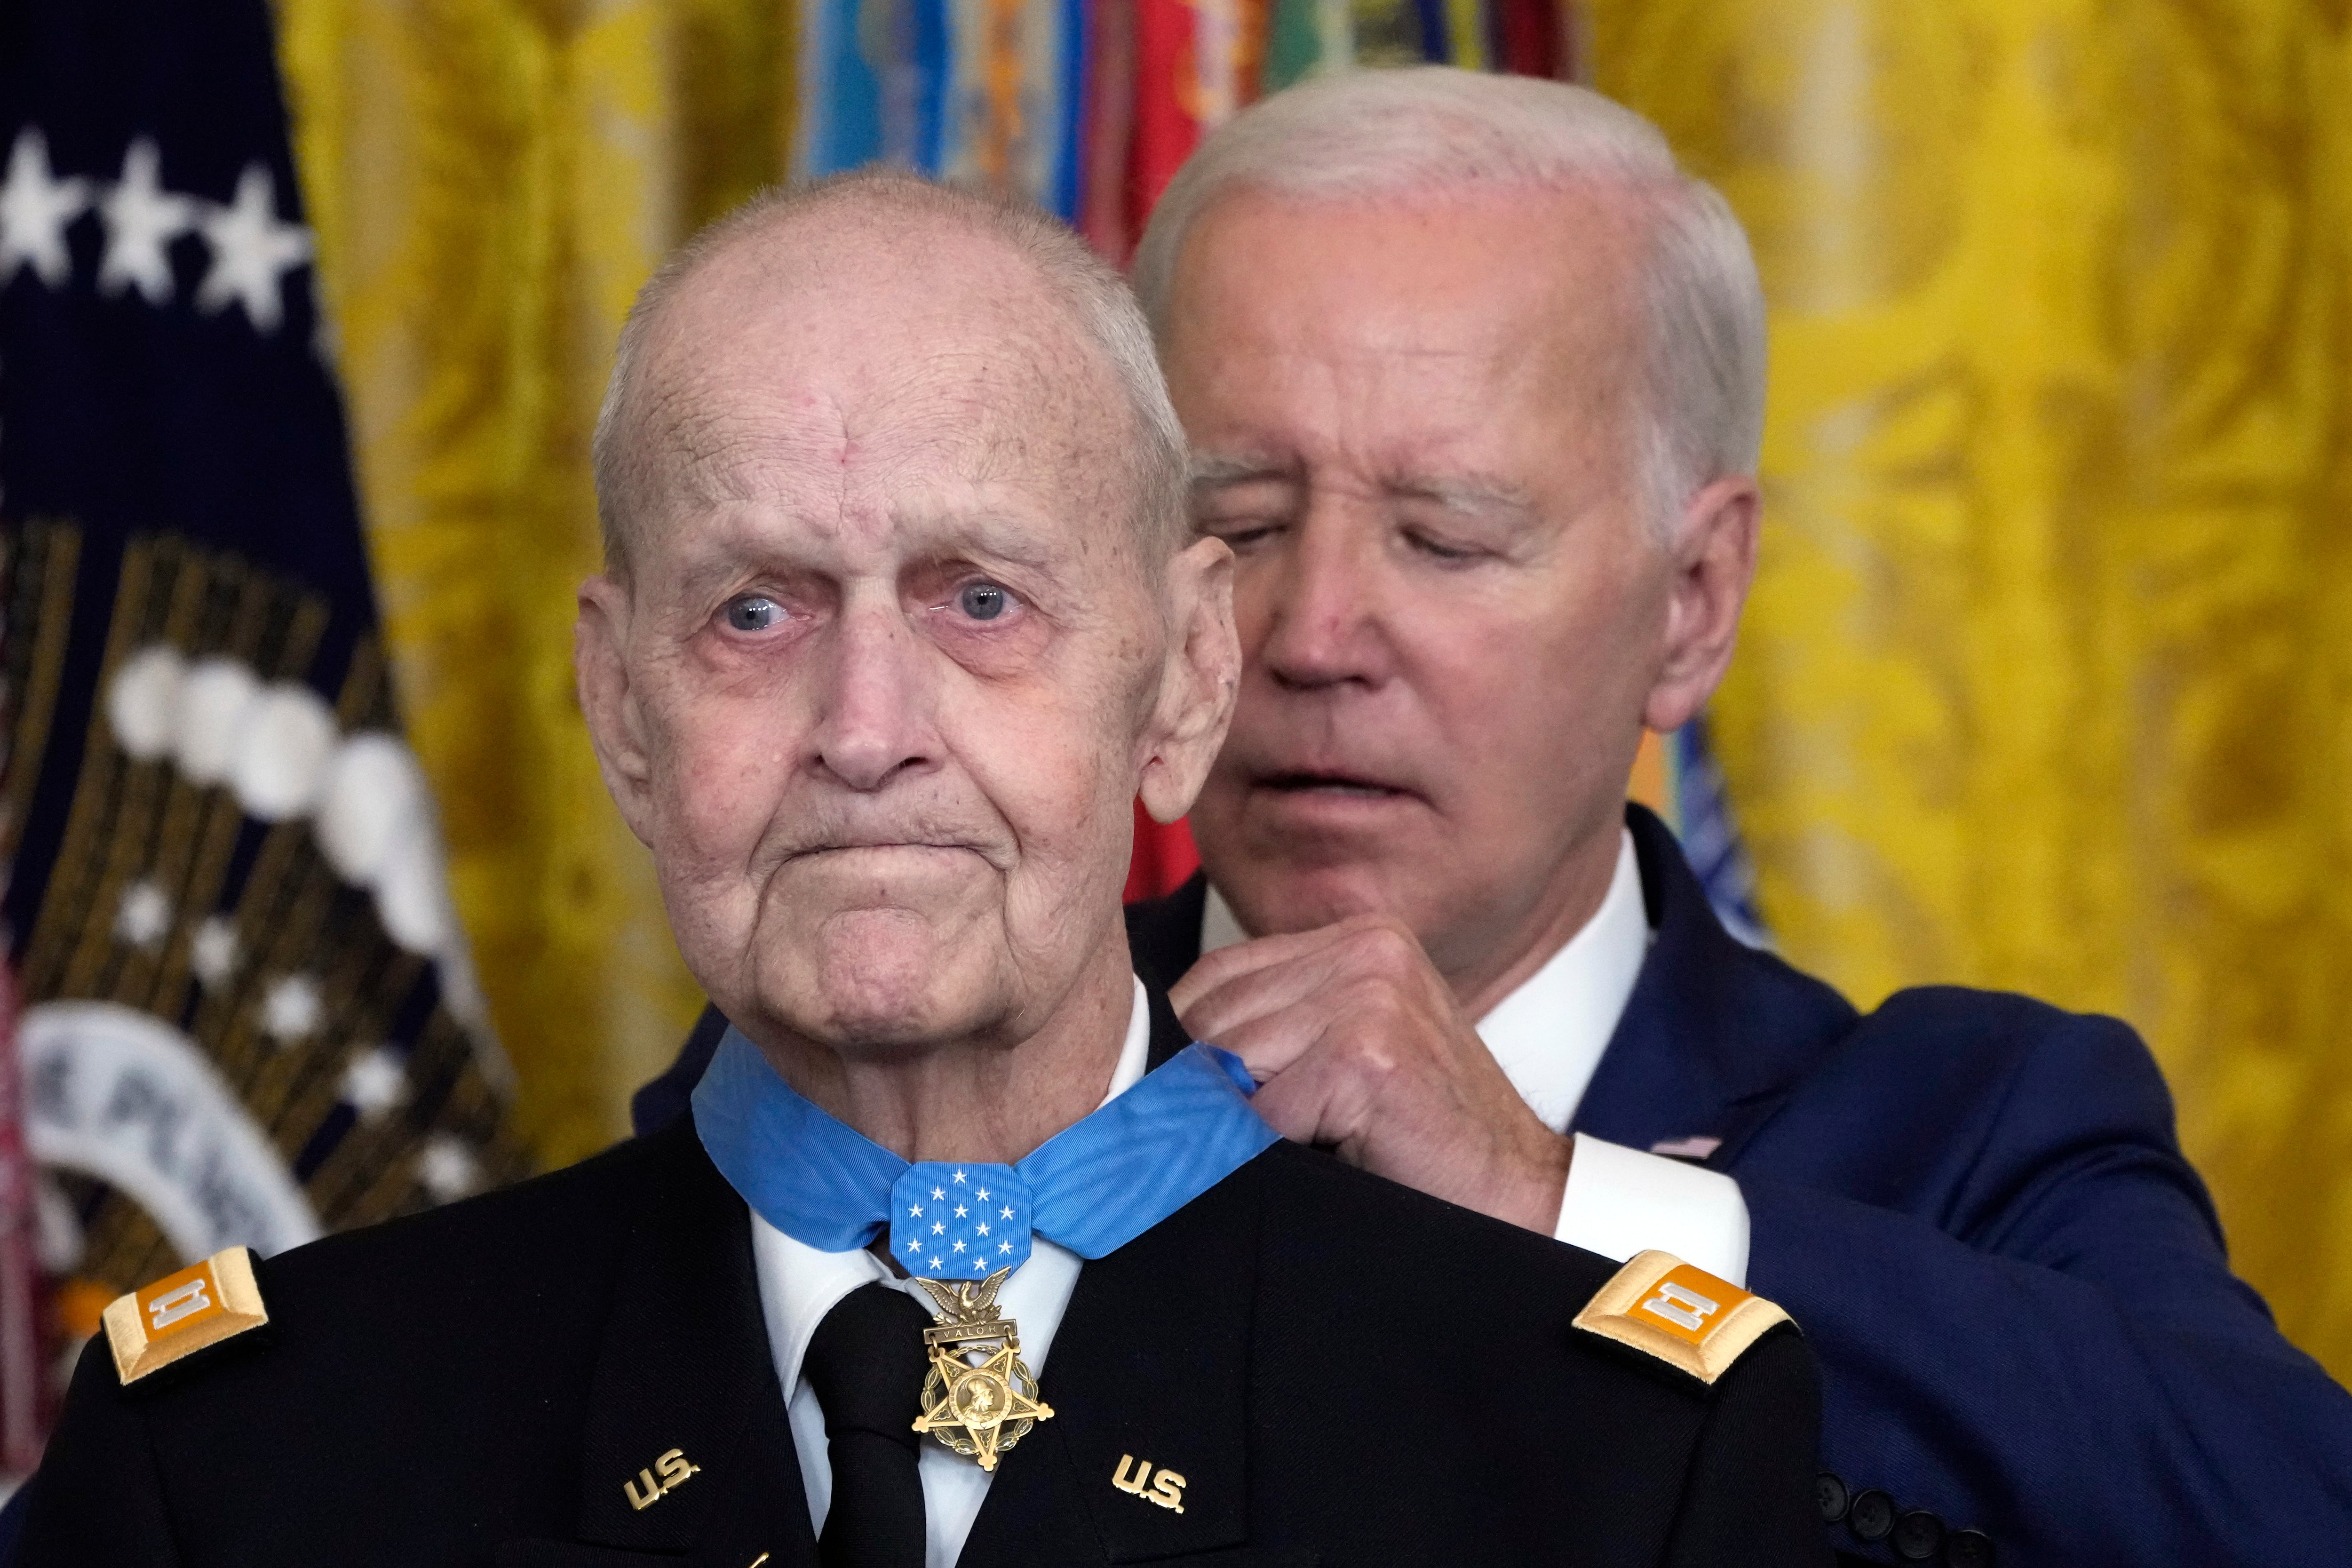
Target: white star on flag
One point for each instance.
(143, 918)
(253, 248)
(375, 1082)
(212, 953)
(34, 209)
(447, 1168)
(142, 219)
(292, 1008)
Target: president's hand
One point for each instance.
(1358, 1046)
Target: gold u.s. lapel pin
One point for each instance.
(1133, 1476)
(674, 1469)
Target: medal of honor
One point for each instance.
(979, 1398)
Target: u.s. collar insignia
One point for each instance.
(978, 1407)
(1683, 1315)
(208, 1301)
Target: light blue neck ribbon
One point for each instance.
(1092, 1187)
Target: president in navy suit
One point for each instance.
(1473, 375)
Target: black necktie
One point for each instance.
(866, 1363)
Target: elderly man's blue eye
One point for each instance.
(982, 601)
(753, 612)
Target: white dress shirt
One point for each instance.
(799, 1285)
(1547, 1035)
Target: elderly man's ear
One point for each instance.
(1713, 561)
(1199, 681)
(615, 722)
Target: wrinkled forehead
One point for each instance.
(868, 366)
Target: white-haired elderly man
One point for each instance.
(965, 1253)
(1475, 376)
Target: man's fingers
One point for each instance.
(1311, 1097)
(1229, 964)
(1272, 1042)
(1241, 997)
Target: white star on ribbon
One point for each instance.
(915, 1211)
(958, 1177)
(34, 209)
(253, 248)
(1004, 1213)
(959, 1211)
(142, 219)
(982, 1195)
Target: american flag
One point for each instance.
(247, 1015)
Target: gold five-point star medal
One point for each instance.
(979, 1398)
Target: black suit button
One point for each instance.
(1872, 1515)
(1916, 1535)
(1831, 1493)
(1968, 1549)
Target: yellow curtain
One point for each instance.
(2047, 681)
(491, 180)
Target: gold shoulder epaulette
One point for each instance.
(1684, 1316)
(183, 1313)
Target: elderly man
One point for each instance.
(900, 614)
(1474, 375)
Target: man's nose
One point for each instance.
(1323, 621)
(876, 721)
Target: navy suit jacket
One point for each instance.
(1975, 1206)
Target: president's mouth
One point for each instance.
(1331, 785)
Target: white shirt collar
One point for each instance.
(1547, 1035)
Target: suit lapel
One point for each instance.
(685, 1372)
(1149, 1368)
(1715, 1032)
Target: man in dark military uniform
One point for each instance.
(965, 1253)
